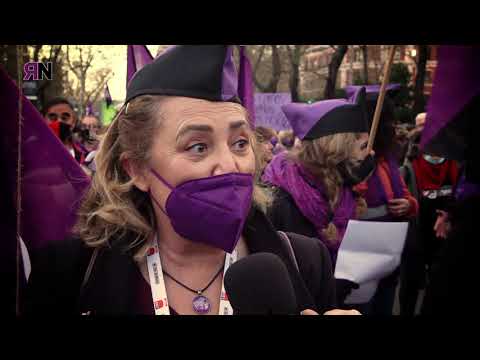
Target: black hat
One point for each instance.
(197, 71)
(328, 117)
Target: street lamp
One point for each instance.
(413, 53)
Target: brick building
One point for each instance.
(317, 57)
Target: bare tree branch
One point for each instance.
(260, 56)
(36, 52)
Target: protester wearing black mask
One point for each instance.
(314, 185)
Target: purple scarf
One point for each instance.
(309, 196)
(376, 195)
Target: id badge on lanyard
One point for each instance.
(157, 282)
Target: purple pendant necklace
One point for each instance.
(200, 303)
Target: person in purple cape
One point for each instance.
(314, 194)
(173, 203)
(386, 194)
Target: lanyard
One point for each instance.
(157, 282)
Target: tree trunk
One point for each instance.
(365, 64)
(295, 60)
(418, 97)
(333, 67)
(276, 70)
(82, 96)
(272, 85)
(294, 80)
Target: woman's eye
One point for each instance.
(364, 146)
(241, 145)
(197, 148)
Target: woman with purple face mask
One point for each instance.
(173, 204)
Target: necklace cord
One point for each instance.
(192, 290)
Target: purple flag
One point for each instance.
(246, 88)
(89, 111)
(52, 181)
(137, 57)
(455, 87)
(107, 96)
(268, 110)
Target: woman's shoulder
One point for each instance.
(65, 251)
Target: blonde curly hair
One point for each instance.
(113, 208)
(321, 157)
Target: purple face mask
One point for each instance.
(210, 210)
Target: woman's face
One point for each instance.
(267, 150)
(197, 139)
(360, 152)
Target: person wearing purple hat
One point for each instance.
(173, 204)
(314, 184)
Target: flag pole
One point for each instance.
(19, 170)
(381, 98)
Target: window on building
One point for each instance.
(428, 77)
(357, 55)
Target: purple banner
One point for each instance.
(268, 110)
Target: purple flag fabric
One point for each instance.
(246, 88)
(137, 57)
(268, 110)
(8, 243)
(89, 111)
(52, 181)
(108, 97)
(455, 86)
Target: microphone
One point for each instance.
(259, 284)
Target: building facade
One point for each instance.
(317, 58)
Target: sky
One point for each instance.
(115, 58)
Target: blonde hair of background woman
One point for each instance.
(321, 157)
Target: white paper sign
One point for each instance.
(369, 252)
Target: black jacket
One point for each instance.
(454, 275)
(285, 215)
(55, 282)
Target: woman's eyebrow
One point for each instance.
(237, 124)
(206, 128)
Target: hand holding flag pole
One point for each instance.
(381, 98)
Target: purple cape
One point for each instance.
(376, 195)
(309, 196)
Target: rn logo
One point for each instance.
(37, 71)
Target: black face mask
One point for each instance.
(353, 175)
(65, 132)
(83, 134)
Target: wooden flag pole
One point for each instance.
(381, 98)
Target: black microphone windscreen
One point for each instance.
(260, 284)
